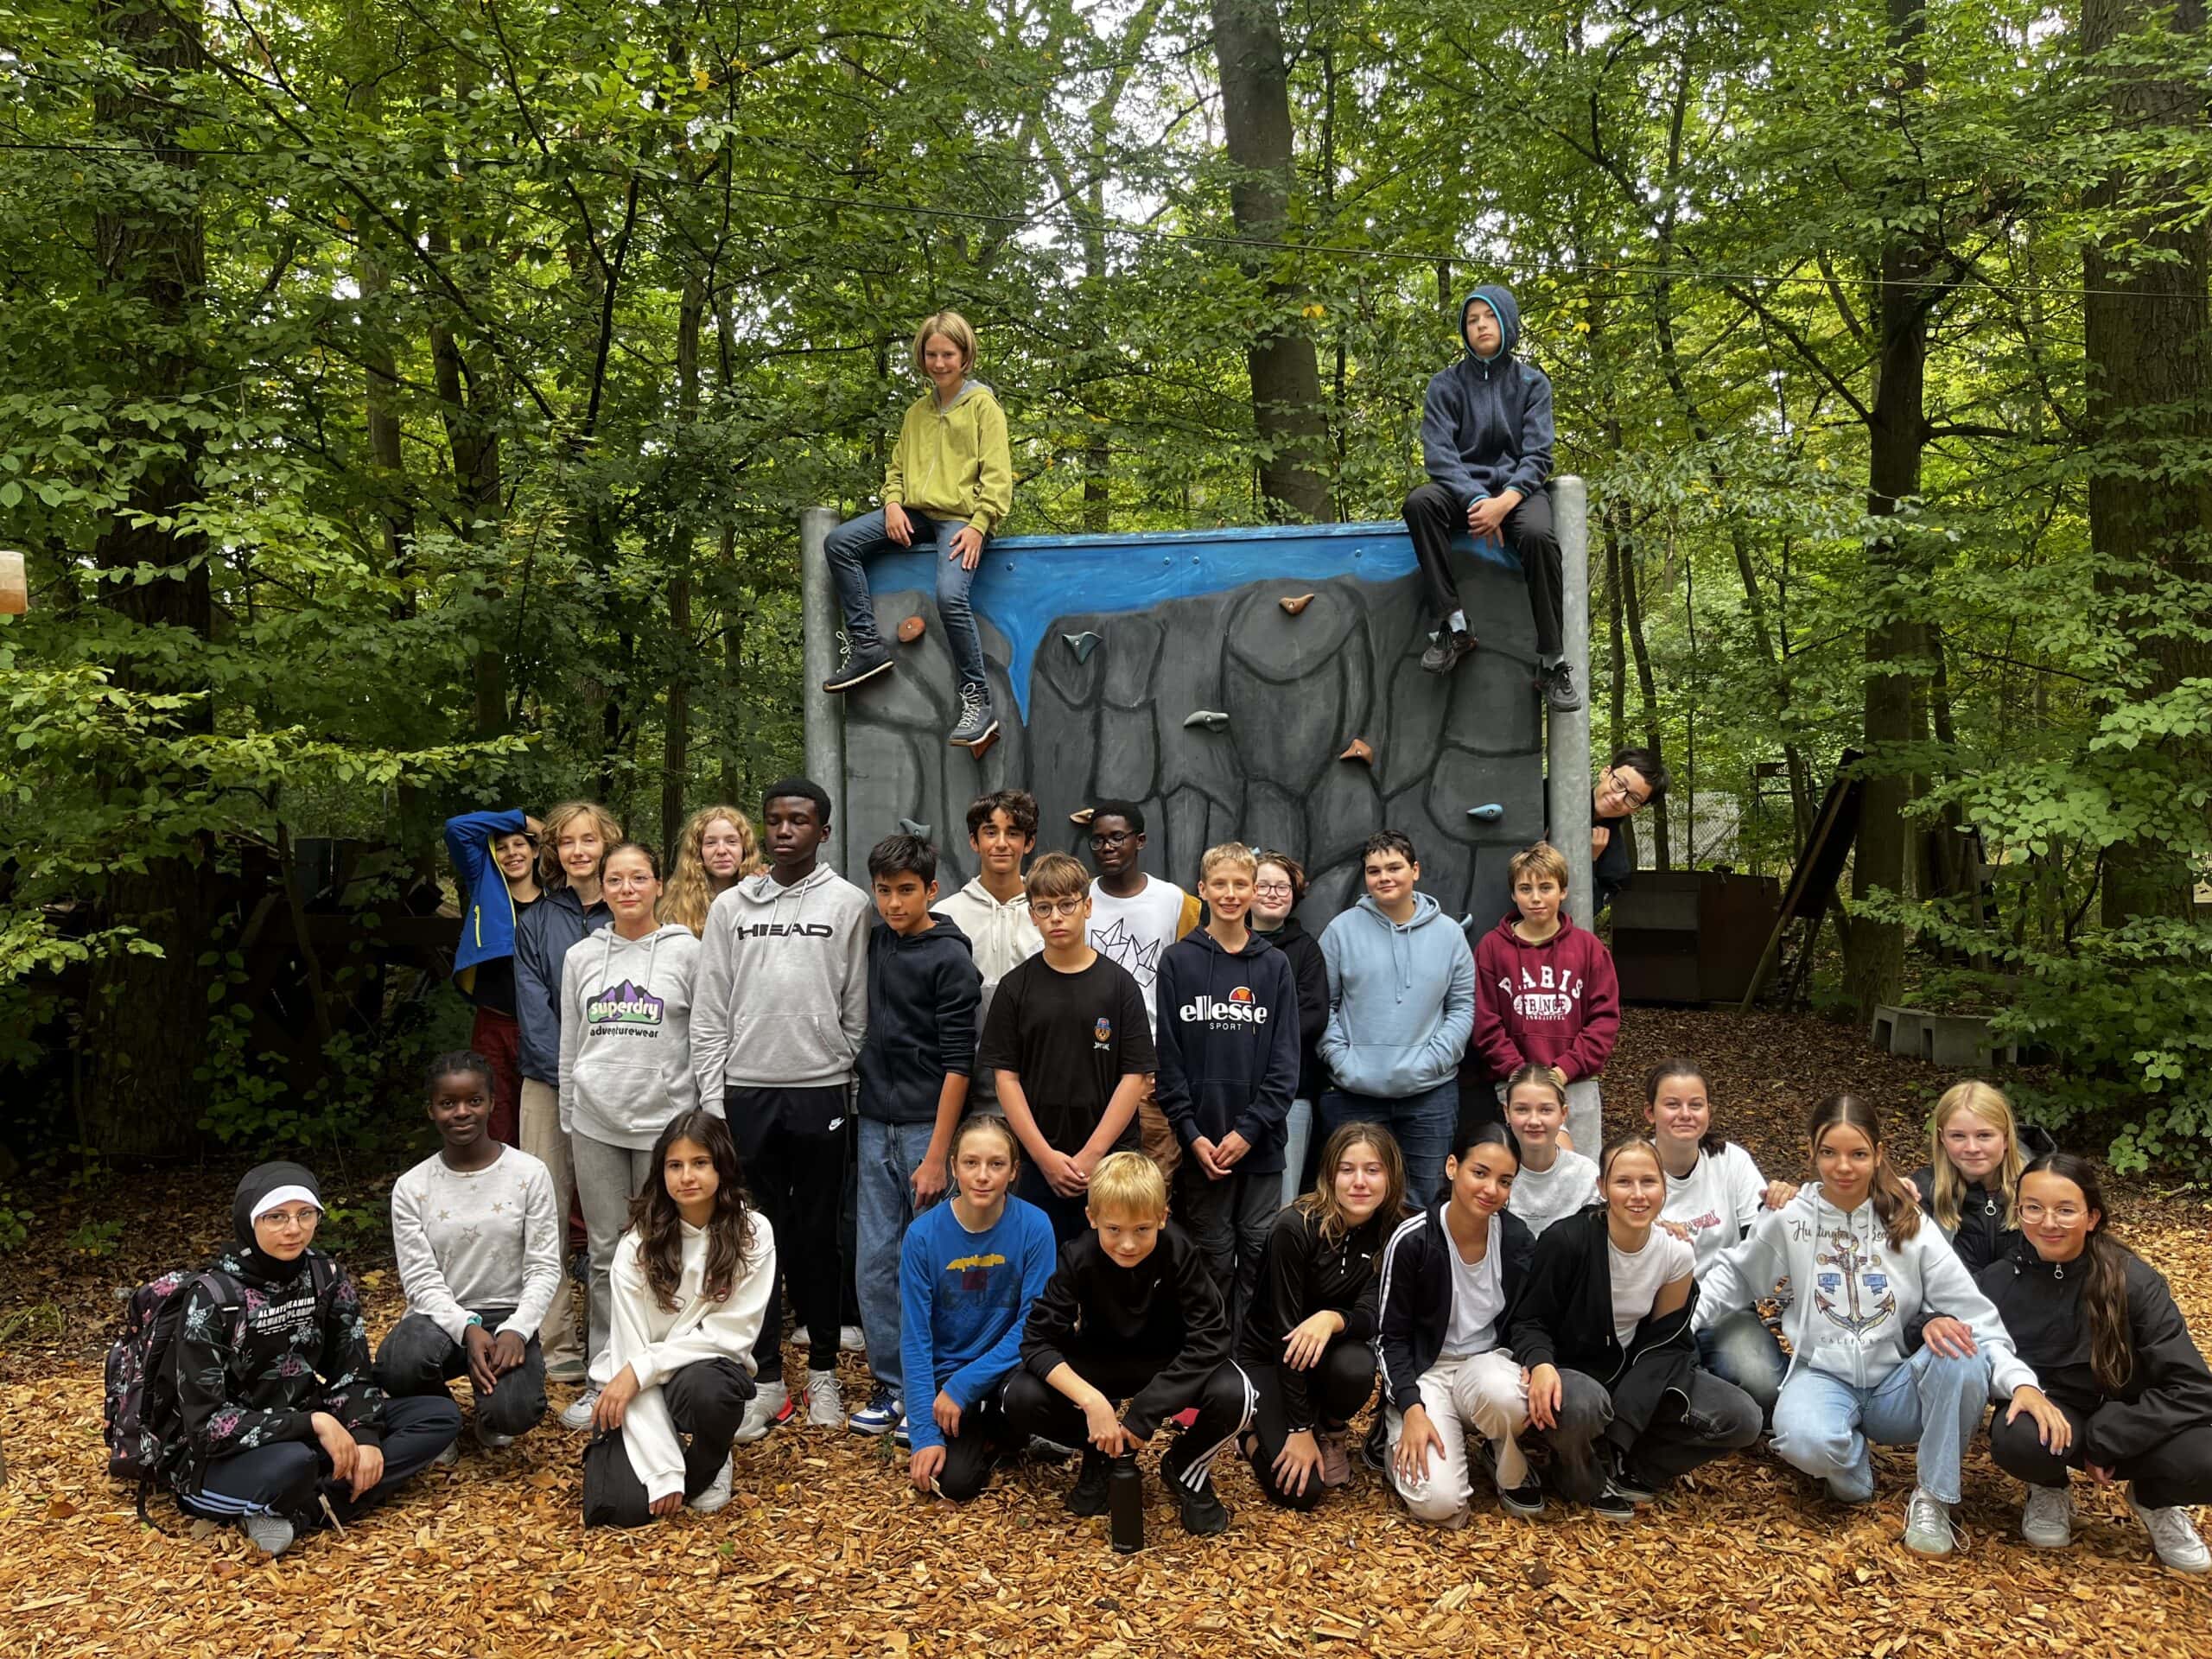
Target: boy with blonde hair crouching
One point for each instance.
(1131, 1315)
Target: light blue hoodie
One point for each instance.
(1402, 999)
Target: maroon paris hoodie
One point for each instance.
(1556, 1003)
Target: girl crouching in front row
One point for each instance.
(690, 1287)
(1603, 1327)
(1865, 1267)
(2102, 1329)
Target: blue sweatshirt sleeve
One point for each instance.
(468, 844)
(916, 1327)
(1439, 440)
(1456, 1023)
(980, 1375)
(1170, 1085)
(1262, 1121)
(1534, 464)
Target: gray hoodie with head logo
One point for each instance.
(625, 1035)
(783, 984)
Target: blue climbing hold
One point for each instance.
(920, 831)
(1081, 643)
(1489, 814)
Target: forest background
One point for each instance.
(405, 409)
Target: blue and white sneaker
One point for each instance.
(902, 1436)
(879, 1415)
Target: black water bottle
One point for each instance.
(1125, 1505)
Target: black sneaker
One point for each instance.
(1447, 652)
(1204, 1514)
(1557, 683)
(1088, 1495)
(1374, 1449)
(1630, 1484)
(1610, 1505)
(862, 662)
(1525, 1500)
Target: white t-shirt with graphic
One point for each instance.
(1717, 1202)
(1133, 932)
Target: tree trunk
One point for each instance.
(676, 725)
(1285, 373)
(144, 1028)
(2144, 319)
(1896, 645)
(1647, 685)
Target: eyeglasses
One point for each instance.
(285, 1218)
(1059, 907)
(1273, 889)
(2065, 1215)
(1113, 838)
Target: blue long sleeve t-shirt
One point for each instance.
(963, 1298)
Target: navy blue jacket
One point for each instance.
(488, 909)
(1228, 1032)
(1486, 424)
(549, 928)
(923, 993)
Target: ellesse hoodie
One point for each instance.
(1228, 1032)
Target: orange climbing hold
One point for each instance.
(910, 630)
(1295, 603)
(1361, 751)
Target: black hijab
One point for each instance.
(261, 1268)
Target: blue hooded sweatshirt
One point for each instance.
(487, 910)
(1402, 999)
(1486, 423)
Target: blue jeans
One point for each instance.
(856, 541)
(1297, 1129)
(1742, 1351)
(1422, 1123)
(889, 1155)
(1822, 1424)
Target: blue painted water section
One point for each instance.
(1104, 574)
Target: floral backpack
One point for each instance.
(142, 1427)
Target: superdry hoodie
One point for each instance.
(1228, 1034)
(1486, 423)
(1402, 999)
(625, 1035)
(782, 996)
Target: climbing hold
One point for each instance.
(920, 831)
(1083, 815)
(1295, 603)
(1212, 718)
(1361, 751)
(1490, 814)
(982, 746)
(910, 630)
(1081, 643)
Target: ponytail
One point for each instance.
(1894, 1202)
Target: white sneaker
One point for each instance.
(577, 1413)
(492, 1442)
(825, 1406)
(762, 1412)
(1927, 1525)
(715, 1498)
(851, 1339)
(446, 1459)
(2173, 1537)
(2048, 1520)
(272, 1535)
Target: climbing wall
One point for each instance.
(1168, 670)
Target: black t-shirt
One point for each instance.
(494, 986)
(1071, 1039)
(1611, 869)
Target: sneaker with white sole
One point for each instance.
(577, 1413)
(2174, 1537)
(449, 1458)
(882, 1413)
(976, 721)
(851, 1339)
(825, 1406)
(1928, 1524)
(2048, 1520)
(490, 1441)
(769, 1405)
(903, 1436)
(272, 1535)
(863, 660)
(715, 1498)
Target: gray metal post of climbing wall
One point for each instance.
(825, 717)
(1567, 768)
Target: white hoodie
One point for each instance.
(1850, 1296)
(1002, 936)
(656, 1343)
(625, 1035)
(782, 999)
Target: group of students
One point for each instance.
(1521, 1302)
